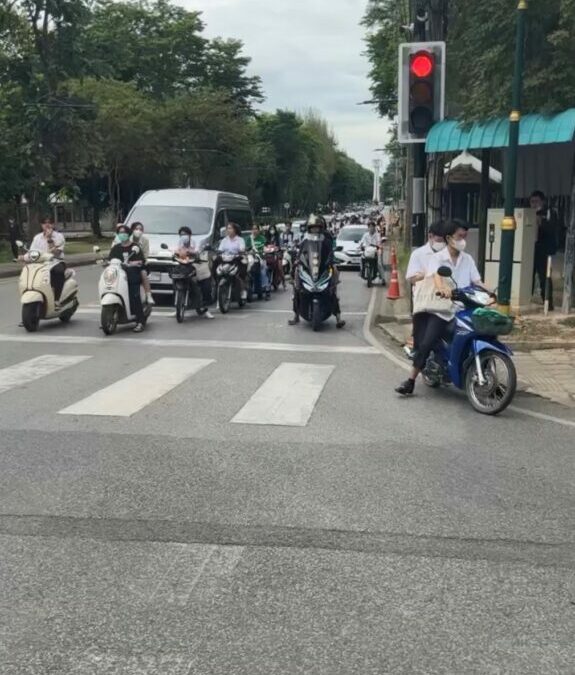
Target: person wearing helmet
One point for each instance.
(132, 256)
(316, 225)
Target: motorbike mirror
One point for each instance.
(19, 244)
(96, 249)
(164, 246)
(208, 248)
(222, 232)
(445, 271)
(136, 249)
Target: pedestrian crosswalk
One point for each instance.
(287, 396)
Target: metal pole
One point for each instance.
(483, 208)
(508, 224)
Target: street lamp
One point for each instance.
(508, 224)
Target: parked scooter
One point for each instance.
(37, 294)
(316, 289)
(115, 297)
(472, 358)
(229, 285)
(370, 264)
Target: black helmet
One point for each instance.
(316, 221)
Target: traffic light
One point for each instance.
(421, 89)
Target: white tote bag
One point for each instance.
(425, 298)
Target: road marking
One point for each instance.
(120, 340)
(132, 393)
(163, 314)
(288, 397)
(22, 373)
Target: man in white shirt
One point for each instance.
(370, 238)
(51, 241)
(421, 258)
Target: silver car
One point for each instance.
(347, 250)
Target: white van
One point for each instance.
(205, 212)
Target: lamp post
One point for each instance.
(508, 224)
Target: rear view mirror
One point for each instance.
(96, 249)
(222, 232)
(19, 244)
(445, 271)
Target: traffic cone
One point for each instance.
(393, 290)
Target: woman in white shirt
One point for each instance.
(234, 244)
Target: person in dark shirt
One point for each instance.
(132, 256)
(545, 245)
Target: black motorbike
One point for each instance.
(187, 289)
(228, 280)
(315, 288)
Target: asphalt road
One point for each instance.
(170, 529)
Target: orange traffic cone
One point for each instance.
(393, 291)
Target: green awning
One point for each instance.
(450, 136)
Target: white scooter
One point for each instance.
(37, 294)
(115, 297)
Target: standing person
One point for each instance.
(132, 256)
(52, 241)
(545, 245)
(144, 243)
(289, 238)
(13, 236)
(431, 326)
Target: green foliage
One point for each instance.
(106, 99)
(480, 54)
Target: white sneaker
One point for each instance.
(150, 299)
(208, 314)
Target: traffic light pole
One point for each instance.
(419, 188)
(508, 225)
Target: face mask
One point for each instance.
(438, 246)
(123, 237)
(137, 234)
(459, 244)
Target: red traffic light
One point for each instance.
(422, 64)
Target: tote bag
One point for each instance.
(425, 299)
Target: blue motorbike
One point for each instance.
(471, 357)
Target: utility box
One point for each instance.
(523, 255)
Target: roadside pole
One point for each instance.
(508, 224)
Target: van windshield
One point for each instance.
(169, 219)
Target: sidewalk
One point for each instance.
(77, 260)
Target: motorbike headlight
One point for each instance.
(110, 276)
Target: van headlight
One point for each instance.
(110, 276)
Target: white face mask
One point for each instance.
(438, 246)
(137, 234)
(459, 244)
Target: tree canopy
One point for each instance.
(106, 99)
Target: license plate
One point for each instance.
(155, 276)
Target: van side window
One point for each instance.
(221, 223)
(242, 218)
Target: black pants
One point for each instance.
(540, 274)
(14, 248)
(134, 283)
(206, 290)
(428, 329)
(57, 279)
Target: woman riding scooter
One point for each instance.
(132, 256)
(186, 250)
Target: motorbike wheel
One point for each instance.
(69, 313)
(369, 276)
(180, 306)
(316, 317)
(31, 316)
(224, 297)
(109, 319)
(499, 390)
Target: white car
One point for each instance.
(347, 250)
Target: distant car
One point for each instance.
(347, 251)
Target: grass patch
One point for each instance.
(5, 252)
(86, 244)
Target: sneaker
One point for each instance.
(208, 314)
(294, 321)
(406, 388)
(340, 323)
(138, 328)
(150, 299)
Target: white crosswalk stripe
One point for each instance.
(25, 372)
(134, 392)
(288, 397)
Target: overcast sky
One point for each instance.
(308, 54)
